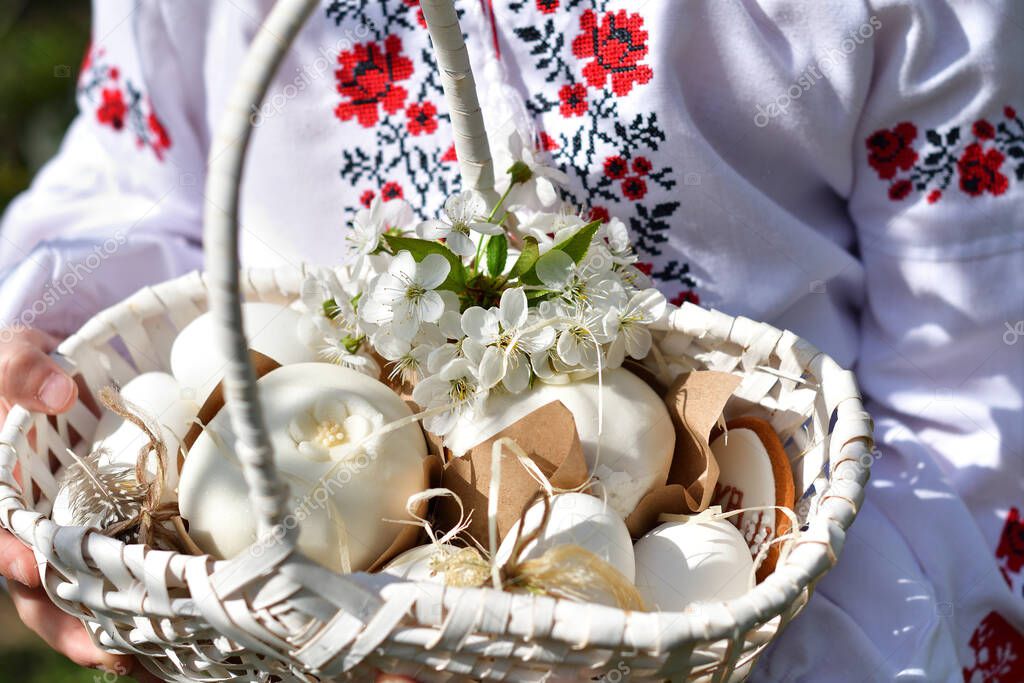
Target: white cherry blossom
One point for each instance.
(463, 213)
(404, 297)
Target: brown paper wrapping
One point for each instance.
(695, 401)
(548, 435)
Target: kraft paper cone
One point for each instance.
(695, 401)
(548, 435)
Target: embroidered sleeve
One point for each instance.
(120, 103)
(120, 206)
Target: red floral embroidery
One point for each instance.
(391, 190)
(547, 6)
(634, 187)
(119, 104)
(978, 164)
(366, 198)
(546, 142)
(574, 100)
(983, 130)
(420, 19)
(615, 167)
(600, 213)
(162, 139)
(618, 43)
(686, 296)
(450, 155)
(998, 652)
(979, 171)
(1010, 551)
(900, 189)
(891, 150)
(368, 77)
(112, 110)
(422, 118)
(642, 165)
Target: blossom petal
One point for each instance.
(513, 308)
(432, 230)
(480, 325)
(637, 341)
(485, 228)
(451, 325)
(464, 206)
(517, 373)
(651, 302)
(492, 367)
(460, 244)
(405, 323)
(546, 191)
(568, 349)
(432, 271)
(402, 264)
(430, 307)
(617, 351)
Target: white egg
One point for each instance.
(159, 396)
(637, 436)
(575, 519)
(414, 564)
(315, 414)
(271, 329)
(701, 560)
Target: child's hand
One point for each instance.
(30, 378)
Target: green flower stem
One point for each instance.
(501, 200)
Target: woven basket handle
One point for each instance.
(227, 157)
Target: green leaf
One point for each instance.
(577, 245)
(537, 294)
(497, 254)
(526, 260)
(419, 249)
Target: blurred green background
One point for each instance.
(41, 47)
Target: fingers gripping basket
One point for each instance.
(272, 614)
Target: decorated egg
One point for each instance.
(700, 560)
(574, 519)
(754, 472)
(160, 400)
(271, 329)
(636, 436)
(344, 480)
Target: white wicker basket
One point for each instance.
(272, 614)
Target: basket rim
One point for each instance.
(809, 558)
